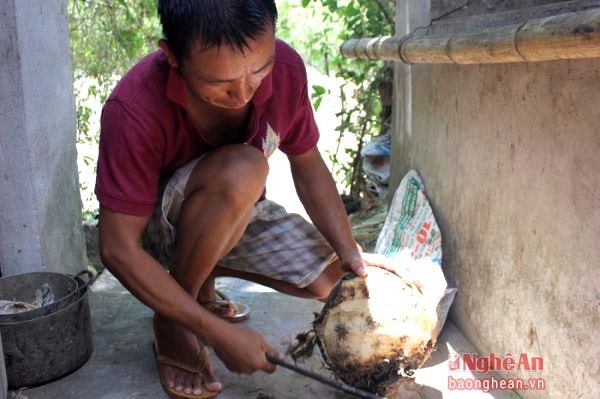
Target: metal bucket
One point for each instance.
(45, 348)
(22, 288)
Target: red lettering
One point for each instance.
(537, 363)
(495, 362)
(422, 236)
(423, 233)
(469, 361)
(523, 362)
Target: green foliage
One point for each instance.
(313, 31)
(317, 95)
(106, 37)
(332, 22)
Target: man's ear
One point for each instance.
(164, 45)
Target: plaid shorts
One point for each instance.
(276, 244)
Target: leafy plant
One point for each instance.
(106, 37)
(361, 115)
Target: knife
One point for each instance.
(359, 393)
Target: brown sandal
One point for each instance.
(198, 368)
(223, 307)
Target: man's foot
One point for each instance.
(182, 364)
(221, 306)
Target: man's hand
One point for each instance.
(244, 350)
(423, 273)
(382, 261)
(354, 262)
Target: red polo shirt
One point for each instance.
(146, 133)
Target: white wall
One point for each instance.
(510, 157)
(40, 207)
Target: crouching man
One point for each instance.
(185, 137)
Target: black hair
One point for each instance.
(212, 23)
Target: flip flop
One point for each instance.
(223, 305)
(198, 368)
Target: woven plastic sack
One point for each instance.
(411, 236)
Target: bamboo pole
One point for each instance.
(565, 36)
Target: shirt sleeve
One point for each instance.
(128, 161)
(304, 133)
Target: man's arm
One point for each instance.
(137, 270)
(240, 348)
(318, 193)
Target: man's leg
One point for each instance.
(319, 289)
(219, 200)
(285, 252)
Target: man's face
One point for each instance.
(226, 77)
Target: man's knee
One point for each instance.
(240, 170)
(244, 160)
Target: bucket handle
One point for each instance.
(84, 279)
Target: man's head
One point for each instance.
(190, 25)
(222, 48)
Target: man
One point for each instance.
(183, 161)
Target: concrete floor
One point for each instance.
(122, 365)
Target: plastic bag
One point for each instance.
(376, 164)
(43, 296)
(411, 236)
